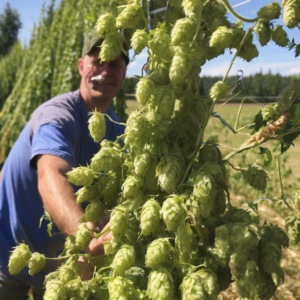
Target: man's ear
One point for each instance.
(124, 72)
(80, 66)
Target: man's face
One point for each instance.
(113, 73)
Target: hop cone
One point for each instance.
(276, 234)
(136, 128)
(87, 193)
(123, 260)
(19, 259)
(139, 41)
(67, 273)
(262, 28)
(270, 12)
(210, 281)
(54, 290)
(142, 163)
(74, 287)
(70, 245)
(105, 24)
(150, 217)
(81, 176)
(169, 172)
(144, 89)
(237, 263)
(182, 31)
(111, 247)
(129, 17)
(131, 186)
(36, 263)
(106, 159)
(243, 237)
(292, 226)
(266, 286)
(270, 256)
(166, 99)
(93, 212)
(221, 38)
(157, 252)
(84, 235)
(118, 221)
(160, 284)
(184, 241)
(209, 153)
(219, 203)
(190, 5)
(173, 212)
(97, 126)
(218, 91)
(111, 47)
(257, 177)
(279, 36)
(248, 52)
(120, 289)
(192, 288)
(291, 13)
(108, 186)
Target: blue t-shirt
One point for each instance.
(58, 127)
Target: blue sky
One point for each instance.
(272, 57)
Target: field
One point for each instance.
(241, 194)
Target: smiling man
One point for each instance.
(54, 141)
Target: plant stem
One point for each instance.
(102, 232)
(58, 258)
(228, 6)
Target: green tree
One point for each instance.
(9, 28)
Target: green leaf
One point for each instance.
(258, 122)
(49, 228)
(268, 158)
(253, 206)
(297, 51)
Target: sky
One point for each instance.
(272, 58)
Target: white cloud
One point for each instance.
(132, 64)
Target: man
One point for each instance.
(54, 141)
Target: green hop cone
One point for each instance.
(120, 289)
(67, 273)
(70, 245)
(111, 247)
(191, 7)
(105, 24)
(270, 256)
(84, 235)
(74, 288)
(139, 41)
(173, 212)
(54, 290)
(192, 288)
(270, 11)
(81, 176)
(244, 237)
(132, 186)
(248, 52)
(291, 13)
(270, 112)
(150, 217)
(166, 101)
(209, 153)
(107, 159)
(97, 126)
(145, 88)
(292, 226)
(219, 203)
(274, 233)
(278, 276)
(36, 263)
(218, 91)
(119, 221)
(93, 212)
(158, 252)
(19, 259)
(124, 259)
(168, 171)
(111, 47)
(87, 193)
(182, 32)
(257, 177)
(221, 38)
(267, 288)
(184, 241)
(210, 281)
(263, 30)
(279, 36)
(142, 163)
(129, 17)
(237, 263)
(160, 284)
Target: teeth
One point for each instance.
(98, 78)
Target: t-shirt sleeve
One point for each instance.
(52, 139)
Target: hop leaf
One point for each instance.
(262, 28)
(118, 221)
(105, 24)
(19, 259)
(257, 177)
(160, 284)
(150, 217)
(173, 212)
(157, 252)
(84, 235)
(129, 17)
(81, 176)
(36, 263)
(291, 13)
(97, 126)
(279, 36)
(139, 41)
(270, 12)
(123, 260)
(218, 91)
(55, 290)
